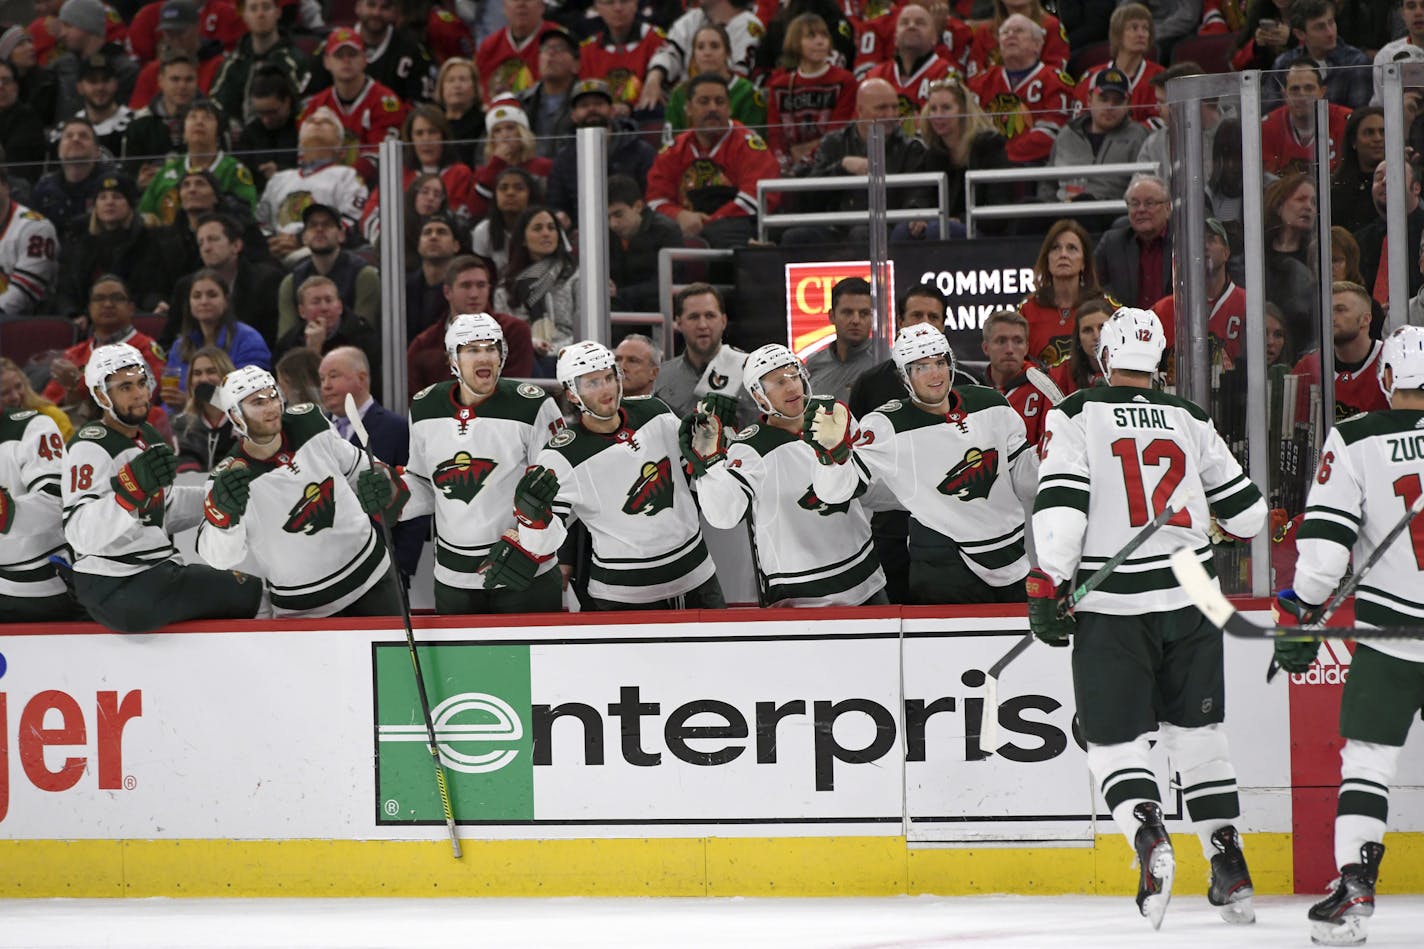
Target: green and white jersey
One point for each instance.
(31, 457)
(1114, 456)
(108, 540)
(464, 464)
(316, 550)
(1370, 472)
(629, 490)
(967, 474)
(811, 553)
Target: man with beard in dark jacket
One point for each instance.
(591, 106)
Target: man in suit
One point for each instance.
(1134, 260)
(346, 370)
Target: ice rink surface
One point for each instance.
(888, 923)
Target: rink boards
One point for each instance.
(744, 752)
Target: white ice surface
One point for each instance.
(908, 922)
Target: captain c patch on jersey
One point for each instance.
(652, 492)
(973, 477)
(315, 512)
(461, 478)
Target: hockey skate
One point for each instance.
(1342, 918)
(1231, 890)
(1156, 861)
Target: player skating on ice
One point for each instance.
(956, 459)
(809, 552)
(1370, 473)
(618, 469)
(471, 439)
(295, 497)
(121, 506)
(1144, 658)
(31, 463)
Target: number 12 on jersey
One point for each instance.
(1159, 451)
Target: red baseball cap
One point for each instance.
(340, 37)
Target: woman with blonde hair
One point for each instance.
(984, 48)
(17, 393)
(808, 97)
(457, 91)
(204, 432)
(958, 136)
(510, 145)
(1066, 277)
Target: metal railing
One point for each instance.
(848, 183)
(972, 210)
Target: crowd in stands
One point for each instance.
(212, 166)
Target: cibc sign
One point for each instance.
(808, 300)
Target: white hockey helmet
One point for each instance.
(107, 360)
(238, 385)
(916, 342)
(473, 328)
(1403, 355)
(768, 358)
(1131, 339)
(581, 358)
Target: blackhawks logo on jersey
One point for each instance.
(810, 502)
(315, 512)
(1009, 114)
(460, 478)
(973, 477)
(1057, 352)
(652, 492)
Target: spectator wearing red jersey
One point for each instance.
(1081, 369)
(807, 98)
(1065, 275)
(428, 134)
(1027, 97)
(180, 33)
(874, 25)
(1356, 356)
(509, 59)
(46, 30)
(369, 112)
(916, 65)
(468, 286)
(1130, 39)
(1225, 301)
(510, 145)
(440, 30)
(110, 313)
(217, 20)
(984, 51)
(706, 180)
(1288, 133)
(620, 52)
(1006, 344)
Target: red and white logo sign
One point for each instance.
(808, 301)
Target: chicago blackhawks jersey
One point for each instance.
(1370, 473)
(629, 490)
(1050, 332)
(464, 464)
(305, 531)
(1030, 402)
(621, 65)
(1357, 387)
(967, 474)
(1028, 112)
(744, 30)
(802, 109)
(912, 88)
(108, 540)
(28, 259)
(375, 115)
(291, 191)
(31, 458)
(1283, 150)
(719, 182)
(1113, 457)
(810, 553)
(507, 68)
(984, 47)
(1141, 96)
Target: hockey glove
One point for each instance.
(145, 475)
(374, 489)
(700, 436)
(827, 429)
(1049, 621)
(1294, 655)
(722, 406)
(534, 497)
(7, 511)
(509, 566)
(227, 500)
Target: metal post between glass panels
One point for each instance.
(393, 315)
(881, 287)
(593, 320)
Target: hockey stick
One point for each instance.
(989, 729)
(1041, 381)
(353, 415)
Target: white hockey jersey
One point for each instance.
(629, 489)
(464, 464)
(314, 547)
(946, 471)
(290, 192)
(1370, 473)
(744, 30)
(108, 540)
(1113, 457)
(31, 458)
(810, 552)
(29, 253)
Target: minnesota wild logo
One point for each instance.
(810, 502)
(315, 512)
(460, 478)
(973, 477)
(652, 492)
